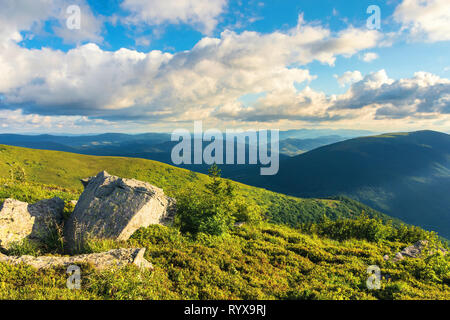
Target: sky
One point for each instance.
(82, 66)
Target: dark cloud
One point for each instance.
(423, 93)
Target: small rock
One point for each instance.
(20, 220)
(398, 256)
(415, 250)
(104, 260)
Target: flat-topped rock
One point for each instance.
(114, 208)
(116, 258)
(20, 220)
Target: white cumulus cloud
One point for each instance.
(30, 15)
(374, 101)
(348, 77)
(423, 95)
(427, 20)
(369, 56)
(193, 84)
(203, 15)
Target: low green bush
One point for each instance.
(365, 228)
(213, 210)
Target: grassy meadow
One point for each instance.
(299, 249)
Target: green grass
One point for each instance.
(252, 262)
(262, 261)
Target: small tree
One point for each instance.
(215, 187)
(17, 173)
(214, 211)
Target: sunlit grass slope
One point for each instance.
(61, 171)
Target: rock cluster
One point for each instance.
(415, 251)
(109, 208)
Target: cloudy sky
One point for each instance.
(156, 65)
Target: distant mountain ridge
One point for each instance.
(158, 146)
(296, 146)
(406, 175)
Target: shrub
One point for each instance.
(197, 212)
(214, 210)
(411, 234)
(370, 229)
(245, 212)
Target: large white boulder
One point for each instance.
(114, 208)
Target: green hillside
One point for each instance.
(405, 175)
(64, 170)
(326, 260)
